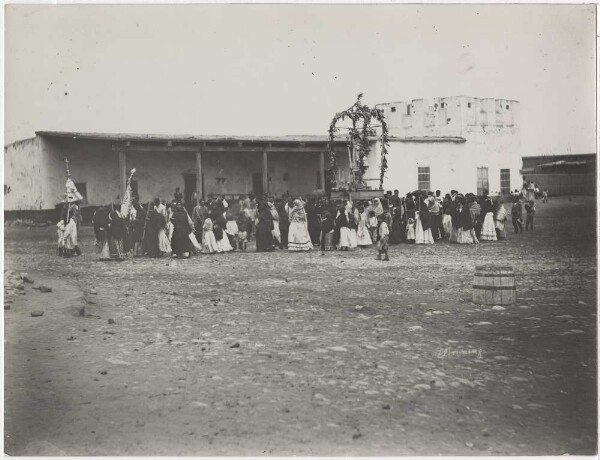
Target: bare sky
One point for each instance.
(286, 69)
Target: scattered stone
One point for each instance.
(235, 345)
(37, 313)
(359, 307)
(469, 445)
(337, 349)
(386, 407)
(20, 287)
(501, 358)
(422, 386)
(498, 308)
(576, 331)
(7, 306)
(111, 321)
(71, 338)
(415, 328)
(43, 288)
(440, 384)
(517, 407)
(93, 292)
(26, 278)
(103, 372)
(356, 435)
(483, 323)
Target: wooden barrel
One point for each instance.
(494, 285)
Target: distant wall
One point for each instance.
(565, 184)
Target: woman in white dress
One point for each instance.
(209, 242)
(362, 232)
(298, 236)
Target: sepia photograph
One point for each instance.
(300, 229)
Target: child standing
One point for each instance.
(530, 209)
(372, 225)
(244, 228)
(383, 235)
(517, 215)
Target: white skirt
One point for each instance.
(298, 238)
(447, 224)
(353, 238)
(164, 245)
(488, 231)
(464, 237)
(223, 245)
(276, 232)
(422, 236)
(363, 236)
(410, 232)
(345, 238)
(209, 242)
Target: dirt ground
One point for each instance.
(268, 353)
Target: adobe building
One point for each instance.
(464, 143)
(210, 165)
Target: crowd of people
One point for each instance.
(214, 226)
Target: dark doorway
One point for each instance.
(189, 188)
(257, 187)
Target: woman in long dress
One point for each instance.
(223, 244)
(362, 232)
(396, 231)
(447, 215)
(423, 224)
(180, 241)
(466, 232)
(488, 231)
(154, 226)
(352, 224)
(343, 224)
(500, 222)
(276, 231)
(101, 222)
(264, 229)
(455, 212)
(209, 242)
(298, 237)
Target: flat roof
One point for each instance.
(186, 137)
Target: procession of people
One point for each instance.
(297, 224)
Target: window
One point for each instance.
(469, 105)
(407, 109)
(319, 185)
(505, 182)
(507, 107)
(443, 105)
(82, 189)
(393, 109)
(424, 178)
(482, 180)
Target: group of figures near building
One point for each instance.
(159, 229)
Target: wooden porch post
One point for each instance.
(199, 191)
(322, 170)
(265, 173)
(122, 173)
